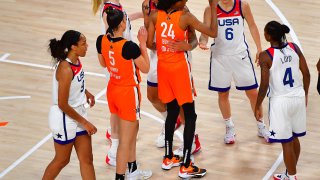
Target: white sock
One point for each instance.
(164, 114)
(229, 122)
(292, 177)
(260, 124)
(114, 145)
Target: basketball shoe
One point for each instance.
(139, 175)
(282, 176)
(168, 163)
(229, 137)
(111, 158)
(196, 147)
(160, 141)
(191, 172)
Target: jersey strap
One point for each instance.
(293, 47)
(270, 52)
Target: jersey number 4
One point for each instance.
(287, 79)
(166, 33)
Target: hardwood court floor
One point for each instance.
(26, 27)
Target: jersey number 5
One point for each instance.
(166, 33)
(112, 62)
(287, 79)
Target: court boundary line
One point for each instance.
(295, 40)
(14, 97)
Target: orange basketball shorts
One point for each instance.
(175, 82)
(124, 101)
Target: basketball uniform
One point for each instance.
(127, 33)
(174, 72)
(287, 108)
(230, 57)
(152, 78)
(65, 129)
(123, 91)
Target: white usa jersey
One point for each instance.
(77, 95)
(230, 39)
(285, 77)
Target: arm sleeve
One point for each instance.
(98, 43)
(130, 50)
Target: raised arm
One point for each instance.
(143, 61)
(151, 30)
(145, 11)
(265, 64)
(252, 27)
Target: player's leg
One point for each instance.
(83, 147)
(60, 160)
(112, 153)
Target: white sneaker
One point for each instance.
(160, 141)
(229, 138)
(196, 147)
(282, 176)
(111, 158)
(139, 175)
(263, 132)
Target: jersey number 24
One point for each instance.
(166, 33)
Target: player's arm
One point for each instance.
(151, 30)
(252, 27)
(192, 21)
(192, 36)
(304, 70)
(64, 77)
(265, 65)
(145, 11)
(203, 40)
(143, 61)
(135, 16)
(98, 47)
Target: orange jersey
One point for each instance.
(167, 29)
(122, 72)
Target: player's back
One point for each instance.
(167, 29)
(230, 39)
(285, 77)
(123, 72)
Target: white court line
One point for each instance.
(14, 97)
(5, 56)
(42, 66)
(178, 133)
(34, 148)
(295, 40)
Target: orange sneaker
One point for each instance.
(191, 172)
(167, 163)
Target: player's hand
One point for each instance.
(257, 58)
(258, 114)
(90, 128)
(203, 46)
(90, 99)
(142, 35)
(179, 45)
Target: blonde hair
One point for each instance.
(95, 6)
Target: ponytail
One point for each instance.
(95, 6)
(59, 49)
(277, 31)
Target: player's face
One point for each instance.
(226, 1)
(81, 48)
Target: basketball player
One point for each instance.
(68, 117)
(113, 137)
(124, 59)
(170, 23)
(230, 59)
(288, 94)
(149, 6)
